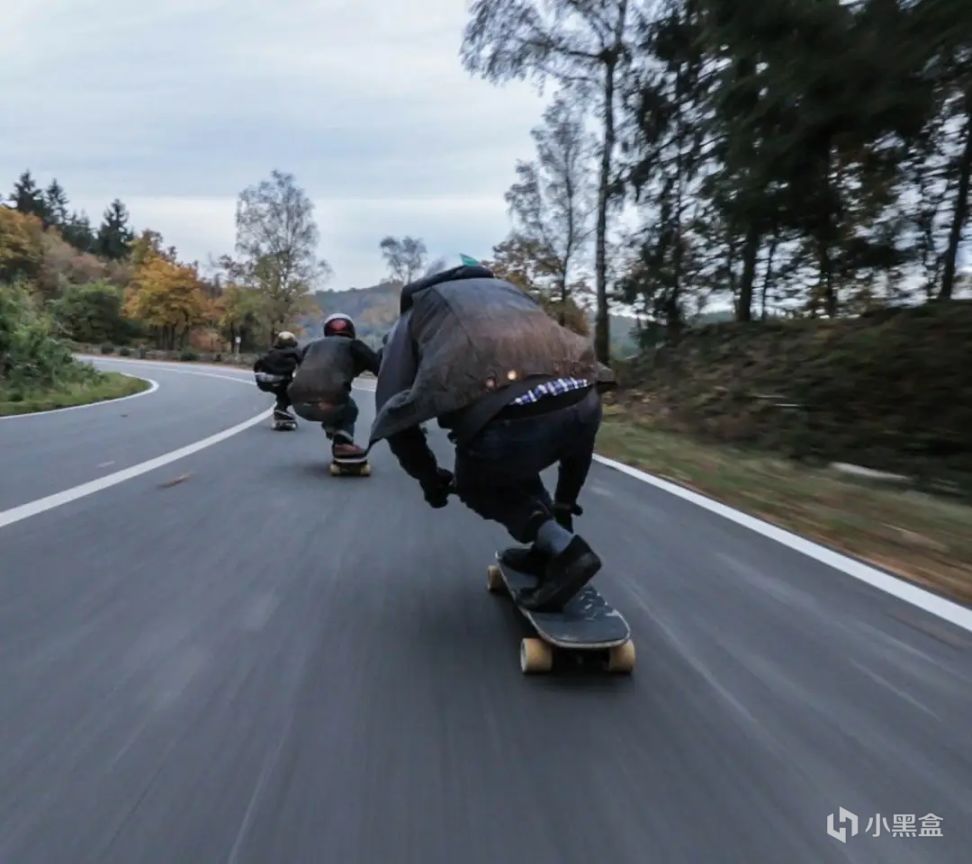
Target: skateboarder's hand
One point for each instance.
(565, 513)
(436, 489)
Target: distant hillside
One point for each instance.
(373, 309)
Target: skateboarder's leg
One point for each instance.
(283, 399)
(520, 505)
(497, 476)
(576, 455)
(340, 429)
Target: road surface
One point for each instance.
(236, 657)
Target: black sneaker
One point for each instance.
(565, 575)
(529, 560)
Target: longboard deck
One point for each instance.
(357, 469)
(586, 623)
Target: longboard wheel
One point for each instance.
(335, 470)
(621, 658)
(366, 471)
(535, 656)
(494, 579)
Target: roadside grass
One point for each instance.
(109, 385)
(918, 536)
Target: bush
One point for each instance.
(188, 356)
(107, 348)
(30, 357)
(125, 351)
(92, 313)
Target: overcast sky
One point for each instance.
(176, 106)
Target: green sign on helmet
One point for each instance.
(469, 262)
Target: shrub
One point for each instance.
(107, 348)
(188, 355)
(30, 357)
(125, 351)
(91, 313)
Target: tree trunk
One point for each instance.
(744, 305)
(961, 211)
(602, 336)
(769, 274)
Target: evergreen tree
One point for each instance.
(55, 202)
(114, 236)
(78, 232)
(27, 198)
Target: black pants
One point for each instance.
(498, 470)
(283, 400)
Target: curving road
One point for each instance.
(234, 657)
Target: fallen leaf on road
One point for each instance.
(175, 481)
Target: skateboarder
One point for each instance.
(518, 393)
(321, 389)
(274, 372)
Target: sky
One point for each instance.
(176, 106)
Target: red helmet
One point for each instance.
(339, 324)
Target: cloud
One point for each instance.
(175, 107)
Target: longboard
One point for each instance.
(344, 468)
(280, 424)
(586, 624)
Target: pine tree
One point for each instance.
(55, 202)
(27, 198)
(77, 231)
(114, 236)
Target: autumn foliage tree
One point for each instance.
(168, 298)
(21, 248)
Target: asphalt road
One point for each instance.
(262, 663)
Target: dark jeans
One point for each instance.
(342, 420)
(283, 400)
(498, 470)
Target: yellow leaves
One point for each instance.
(21, 247)
(166, 294)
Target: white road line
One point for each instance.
(49, 502)
(161, 366)
(954, 613)
(153, 386)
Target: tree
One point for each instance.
(276, 238)
(77, 231)
(238, 313)
(114, 236)
(551, 202)
(167, 297)
(149, 244)
(522, 261)
(405, 257)
(584, 45)
(55, 203)
(946, 26)
(21, 246)
(27, 198)
(91, 313)
(669, 165)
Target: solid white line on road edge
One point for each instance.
(49, 502)
(153, 386)
(954, 613)
(163, 368)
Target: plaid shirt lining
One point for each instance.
(557, 387)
